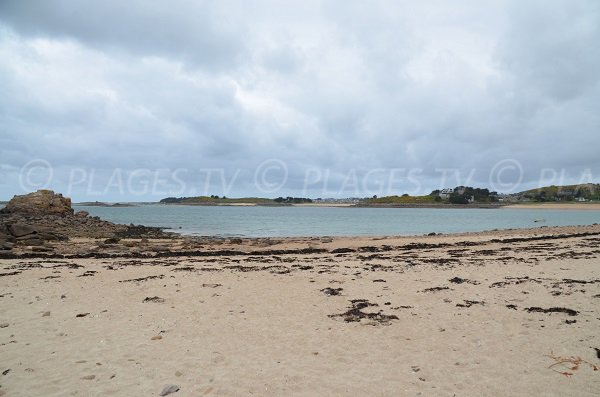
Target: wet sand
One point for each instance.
(494, 313)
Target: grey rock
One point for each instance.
(168, 389)
(38, 248)
(34, 241)
(20, 229)
(47, 236)
(42, 202)
(6, 245)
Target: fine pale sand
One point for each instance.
(489, 314)
(558, 206)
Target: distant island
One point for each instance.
(464, 196)
(102, 204)
(216, 200)
(457, 197)
(573, 193)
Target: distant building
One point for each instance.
(445, 193)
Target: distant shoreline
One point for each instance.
(558, 206)
(102, 204)
(533, 205)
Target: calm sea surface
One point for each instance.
(335, 221)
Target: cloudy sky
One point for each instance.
(138, 100)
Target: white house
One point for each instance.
(445, 193)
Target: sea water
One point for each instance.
(258, 221)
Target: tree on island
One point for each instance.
(292, 200)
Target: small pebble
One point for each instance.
(157, 337)
(168, 389)
(89, 377)
(46, 314)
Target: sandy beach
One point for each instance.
(558, 206)
(494, 313)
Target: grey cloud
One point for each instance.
(328, 87)
(204, 35)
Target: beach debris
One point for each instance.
(46, 314)
(169, 389)
(88, 377)
(379, 280)
(153, 299)
(355, 313)
(514, 281)
(342, 251)
(5, 372)
(4, 325)
(212, 285)
(514, 307)
(597, 352)
(568, 365)
(142, 279)
(565, 310)
(88, 273)
(332, 291)
(185, 269)
(82, 315)
(9, 274)
(470, 303)
(435, 289)
(458, 280)
(157, 337)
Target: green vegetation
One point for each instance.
(292, 200)
(587, 192)
(468, 195)
(216, 200)
(404, 199)
(458, 195)
(208, 200)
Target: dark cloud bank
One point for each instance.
(138, 100)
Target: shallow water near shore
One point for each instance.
(334, 221)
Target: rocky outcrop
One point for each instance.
(35, 219)
(42, 202)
